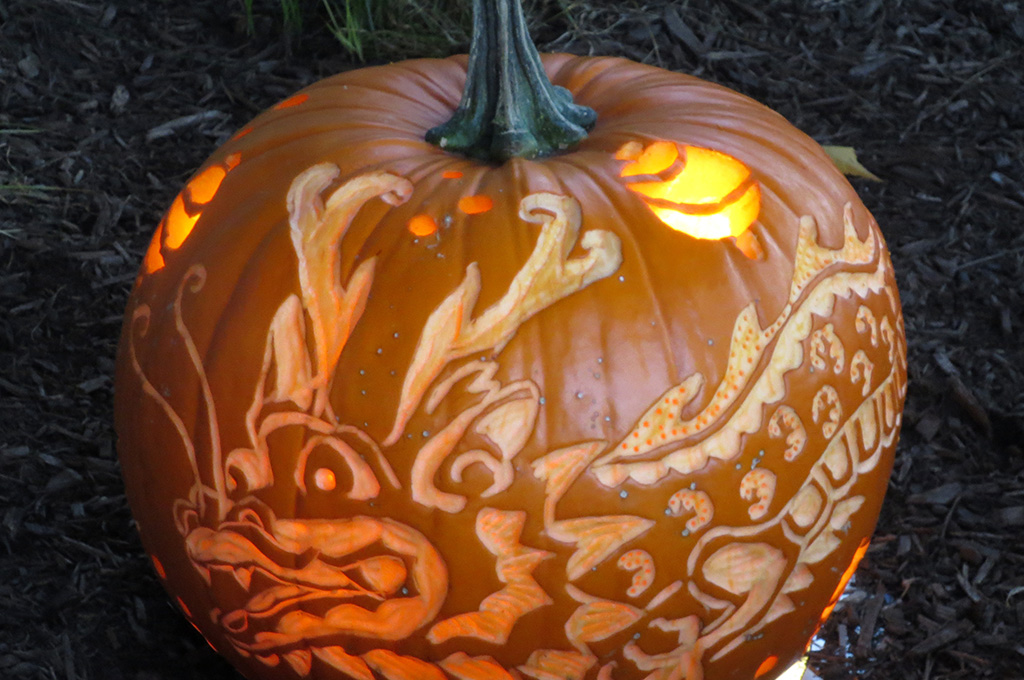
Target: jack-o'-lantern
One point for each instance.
(518, 401)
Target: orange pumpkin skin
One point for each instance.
(373, 427)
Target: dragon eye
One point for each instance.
(331, 464)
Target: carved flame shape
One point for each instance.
(700, 192)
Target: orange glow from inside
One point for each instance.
(766, 666)
(204, 185)
(158, 565)
(178, 223)
(474, 205)
(451, 174)
(422, 225)
(243, 132)
(658, 157)
(292, 101)
(701, 192)
(325, 479)
(153, 259)
(847, 575)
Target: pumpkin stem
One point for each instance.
(509, 108)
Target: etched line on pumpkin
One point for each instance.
(866, 323)
(141, 316)
(316, 229)
(393, 666)
(860, 369)
(758, 485)
(806, 506)
(748, 344)
(825, 343)
(597, 619)
(310, 582)
(697, 501)
(796, 439)
(751, 571)
(641, 564)
(596, 538)
(464, 667)
(553, 664)
(791, 328)
(664, 594)
(817, 504)
(828, 514)
(452, 331)
(560, 468)
(505, 416)
(276, 617)
(500, 532)
(195, 279)
(826, 405)
(885, 330)
(336, 657)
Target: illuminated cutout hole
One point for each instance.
(232, 161)
(701, 192)
(243, 132)
(474, 205)
(451, 174)
(292, 101)
(204, 185)
(325, 479)
(658, 157)
(184, 608)
(159, 567)
(422, 225)
(847, 575)
(178, 224)
(629, 151)
(153, 260)
(766, 666)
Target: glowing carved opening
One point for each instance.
(474, 205)
(159, 567)
(422, 225)
(700, 192)
(847, 575)
(451, 174)
(292, 101)
(178, 224)
(185, 210)
(766, 666)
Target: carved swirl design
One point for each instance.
(382, 580)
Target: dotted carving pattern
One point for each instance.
(228, 531)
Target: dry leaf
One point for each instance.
(845, 159)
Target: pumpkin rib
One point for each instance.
(606, 187)
(553, 441)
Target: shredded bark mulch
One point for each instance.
(107, 107)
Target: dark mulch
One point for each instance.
(107, 107)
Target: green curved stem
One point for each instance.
(509, 108)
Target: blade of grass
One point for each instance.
(346, 33)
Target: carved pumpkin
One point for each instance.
(386, 411)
